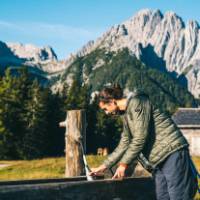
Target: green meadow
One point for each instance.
(49, 168)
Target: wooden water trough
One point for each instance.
(78, 188)
(75, 186)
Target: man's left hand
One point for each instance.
(120, 172)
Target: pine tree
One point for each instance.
(10, 109)
(56, 114)
(35, 137)
(77, 97)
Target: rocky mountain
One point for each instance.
(17, 54)
(33, 53)
(161, 41)
(99, 68)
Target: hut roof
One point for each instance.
(187, 117)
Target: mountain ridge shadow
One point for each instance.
(150, 58)
(7, 57)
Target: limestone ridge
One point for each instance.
(42, 58)
(159, 40)
(33, 53)
(162, 41)
(17, 54)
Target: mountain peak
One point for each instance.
(145, 11)
(170, 14)
(31, 52)
(193, 24)
(161, 40)
(148, 12)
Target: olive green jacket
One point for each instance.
(148, 135)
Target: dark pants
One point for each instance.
(174, 179)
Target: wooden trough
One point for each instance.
(78, 188)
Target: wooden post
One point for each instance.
(75, 124)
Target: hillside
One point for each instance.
(100, 68)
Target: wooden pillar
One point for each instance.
(75, 124)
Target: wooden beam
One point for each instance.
(75, 134)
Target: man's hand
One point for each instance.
(97, 170)
(120, 172)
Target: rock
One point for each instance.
(32, 53)
(164, 36)
(159, 40)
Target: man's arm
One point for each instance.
(139, 127)
(115, 156)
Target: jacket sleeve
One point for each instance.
(139, 122)
(115, 156)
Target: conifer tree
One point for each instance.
(10, 124)
(36, 131)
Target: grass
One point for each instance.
(50, 168)
(41, 168)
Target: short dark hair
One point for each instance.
(109, 93)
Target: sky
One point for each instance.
(66, 25)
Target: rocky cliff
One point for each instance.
(161, 41)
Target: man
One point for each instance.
(153, 139)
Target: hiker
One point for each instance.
(152, 138)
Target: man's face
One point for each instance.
(109, 108)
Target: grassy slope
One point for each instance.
(49, 168)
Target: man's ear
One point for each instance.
(101, 103)
(114, 101)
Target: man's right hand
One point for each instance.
(98, 170)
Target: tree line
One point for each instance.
(30, 114)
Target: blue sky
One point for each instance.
(66, 25)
